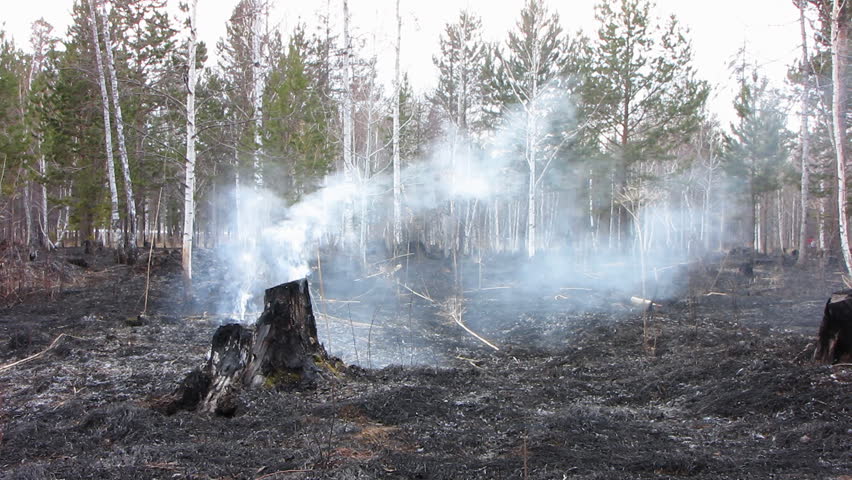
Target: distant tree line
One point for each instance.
(610, 132)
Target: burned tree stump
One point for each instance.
(285, 345)
(281, 349)
(834, 342)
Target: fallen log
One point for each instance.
(280, 350)
(834, 340)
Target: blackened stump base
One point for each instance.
(834, 342)
(281, 349)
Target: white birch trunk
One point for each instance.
(822, 216)
(189, 192)
(130, 241)
(758, 236)
(532, 150)
(44, 237)
(805, 141)
(839, 52)
(257, 90)
(779, 210)
(397, 179)
(115, 220)
(348, 164)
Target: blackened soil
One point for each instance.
(714, 383)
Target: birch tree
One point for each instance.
(115, 220)
(804, 139)
(349, 167)
(258, 16)
(189, 188)
(839, 52)
(535, 55)
(130, 241)
(397, 180)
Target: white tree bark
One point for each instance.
(189, 192)
(397, 180)
(115, 220)
(839, 52)
(805, 141)
(130, 242)
(531, 153)
(348, 163)
(257, 87)
(39, 41)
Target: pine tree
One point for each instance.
(642, 95)
(14, 141)
(295, 122)
(758, 146)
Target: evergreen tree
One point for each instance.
(295, 123)
(759, 145)
(642, 93)
(459, 91)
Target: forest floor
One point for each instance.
(720, 385)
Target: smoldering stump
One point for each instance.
(281, 349)
(834, 342)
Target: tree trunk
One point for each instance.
(805, 141)
(348, 163)
(839, 52)
(130, 240)
(397, 180)
(281, 350)
(257, 90)
(189, 192)
(115, 220)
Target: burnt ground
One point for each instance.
(720, 385)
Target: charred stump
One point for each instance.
(834, 342)
(281, 349)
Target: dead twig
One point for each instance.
(424, 297)
(454, 311)
(150, 255)
(34, 356)
(282, 472)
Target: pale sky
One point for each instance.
(718, 29)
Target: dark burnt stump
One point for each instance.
(285, 346)
(281, 349)
(834, 342)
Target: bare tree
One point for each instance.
(397, 181)
(349, 166)
(189, 192)
(115, 220)
(804, 140)
(258, 8)
(839, 52)
(130, 240)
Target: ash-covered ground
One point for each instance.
(715, 382)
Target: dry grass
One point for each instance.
(21, 277)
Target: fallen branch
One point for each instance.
(489, 288)
(418, 294)
(282, 472)
(455, 319)
(33, 357)
(643, 302)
